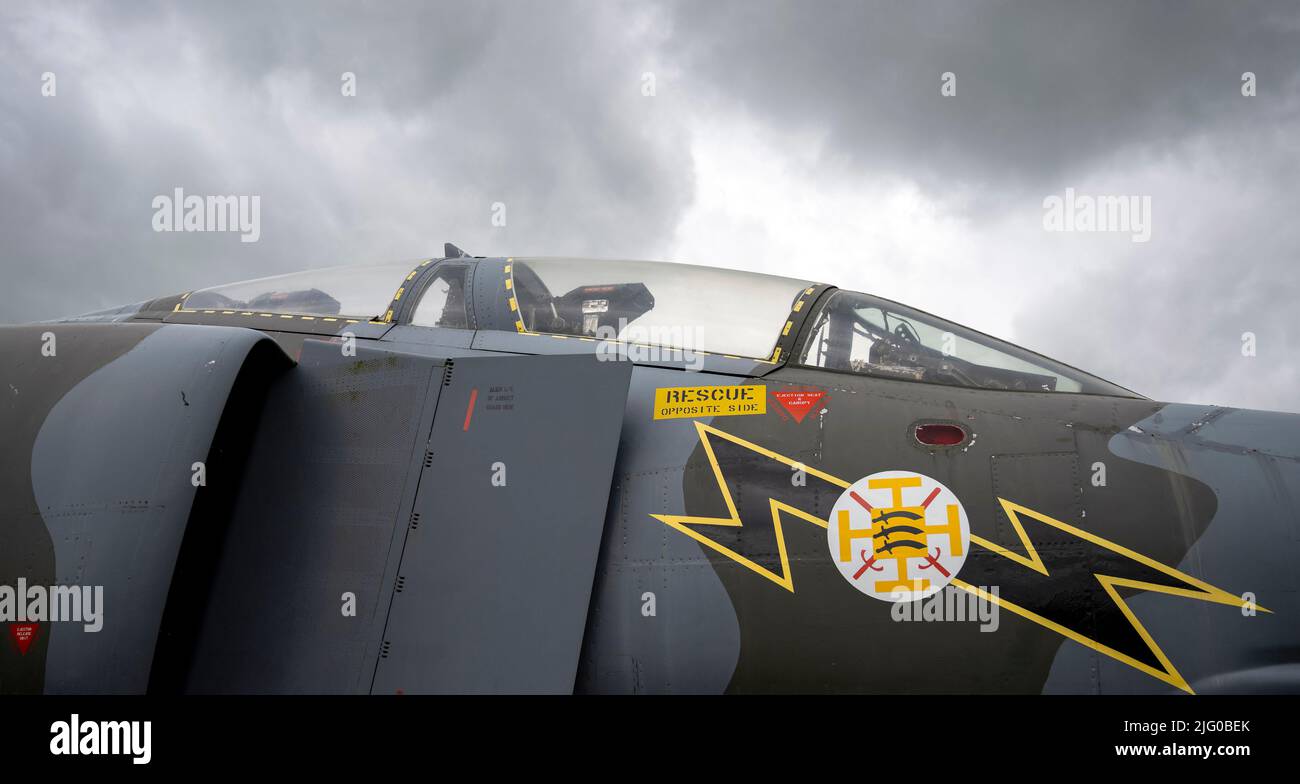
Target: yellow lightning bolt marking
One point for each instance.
(681, 523)
(1169, 674)
(1204, 591)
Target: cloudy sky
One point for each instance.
(811, 139)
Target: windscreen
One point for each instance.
(858, 333)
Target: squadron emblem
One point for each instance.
(898, 536)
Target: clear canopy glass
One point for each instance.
(859, 333)
(650, 303)
(357, 291)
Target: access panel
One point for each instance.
(495, 579)
(303, 576)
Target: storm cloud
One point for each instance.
(809, 139)
(533, 106)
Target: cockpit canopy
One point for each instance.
(680, 307)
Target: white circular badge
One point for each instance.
(899, 536)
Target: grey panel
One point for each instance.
(692, 641)
(432, 337)
(1251, 459)
(322, 510)
(491, 310)
(496, 580)
(528, 343)
(114, 488)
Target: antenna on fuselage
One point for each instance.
(452, 252)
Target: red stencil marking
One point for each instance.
(799, 401)
(469, 410)
(24, 634)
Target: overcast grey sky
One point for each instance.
(808, 139)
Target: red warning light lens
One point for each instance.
(940, 435)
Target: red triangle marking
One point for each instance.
(799, 401)
(24, 635)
